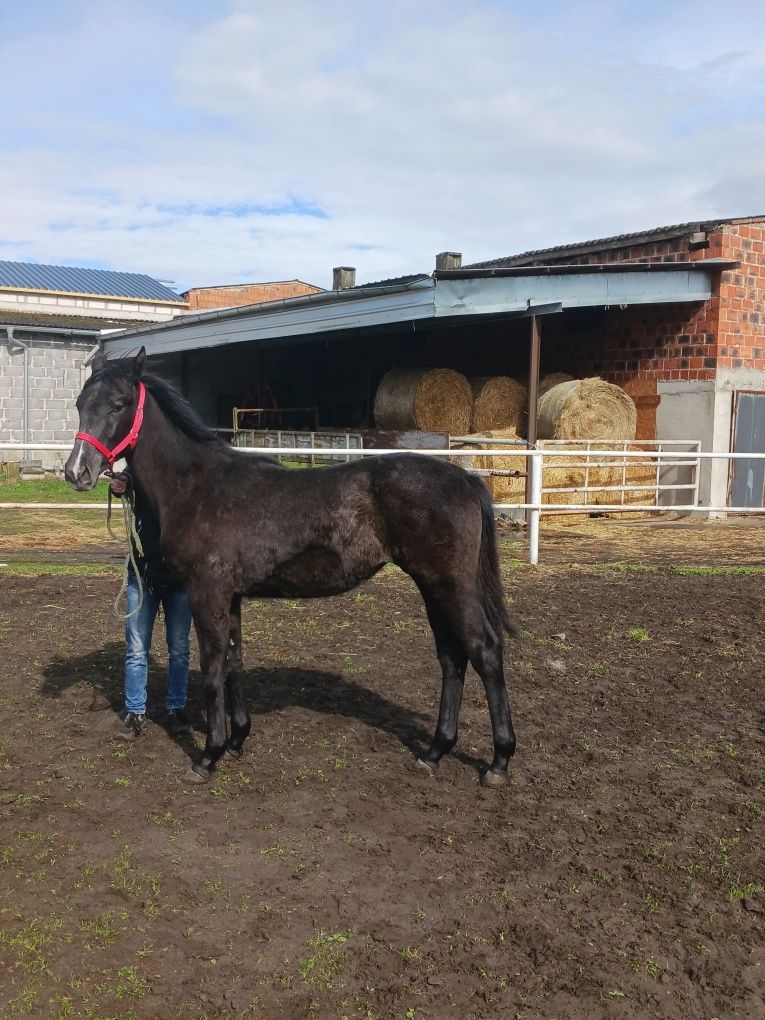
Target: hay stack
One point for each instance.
(640, 472)
(432, 400)
(509, 489)
(586, 409)
(563, 472)
(559, 472)
(499, 402)
(548, 381)
(503, 488)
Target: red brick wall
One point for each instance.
(686, 341)
(203, 298)
(741, 328)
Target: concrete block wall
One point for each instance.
(56, 376)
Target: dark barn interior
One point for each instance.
(339, 373)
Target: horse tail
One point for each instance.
(489, 579)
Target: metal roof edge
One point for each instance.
(570, 270)
(17, 327)
(93, 296)
(263, 307)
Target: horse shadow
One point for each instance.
(266, 690)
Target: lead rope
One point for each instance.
(134, 543)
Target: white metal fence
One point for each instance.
(656, 478)
(535, 466)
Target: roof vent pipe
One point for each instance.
(449, 260)
(343, 277)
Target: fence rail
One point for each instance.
(535, 463)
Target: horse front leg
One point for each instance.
(211, 621)
(240, 715)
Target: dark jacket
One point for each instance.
(151, 565)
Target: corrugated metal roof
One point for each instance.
(425, 299)
(72, 280)
(21, 319)
(616, 241)
(394, 281)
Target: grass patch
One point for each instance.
(717, 571)
(325, 962)
(59, 569)
(649, 568)
(50, 490)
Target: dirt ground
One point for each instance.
(620, 874)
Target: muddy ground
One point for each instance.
(619, 875)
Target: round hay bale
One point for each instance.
(503, 488)
(548, 381)
(559, 473)
(585, 468)
(429, 399)
(499, 402)
(586, 409)
(641, 472)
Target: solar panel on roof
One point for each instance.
(74, 280)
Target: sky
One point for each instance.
(208, 142)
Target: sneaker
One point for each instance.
(130, 726)
(176, 721)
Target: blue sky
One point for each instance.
(214, 142)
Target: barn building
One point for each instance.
(699, 375)
(673, 315)
(50, 319)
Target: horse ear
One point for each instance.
(138, 364)
(98, 361)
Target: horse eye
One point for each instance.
(118, 407)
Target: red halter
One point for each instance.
(130, 439)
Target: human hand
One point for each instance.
(118, 485)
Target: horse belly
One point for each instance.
(313, 573)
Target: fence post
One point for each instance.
(535, 498)
(696, 472)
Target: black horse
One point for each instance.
(235, 524)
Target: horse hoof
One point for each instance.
(431, 767)
(198, 774)
(493, 780)
(235, 752)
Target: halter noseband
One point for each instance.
(130, 439)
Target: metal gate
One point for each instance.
(747, 477)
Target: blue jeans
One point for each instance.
(138, 632)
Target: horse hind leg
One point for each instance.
(240, 715)
(484, 648)
(453, 660)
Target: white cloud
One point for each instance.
(487, 128)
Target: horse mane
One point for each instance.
(176, 407)
(179, 410)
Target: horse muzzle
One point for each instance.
(83, 466)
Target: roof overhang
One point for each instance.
(447, 295)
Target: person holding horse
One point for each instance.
(158, 588)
